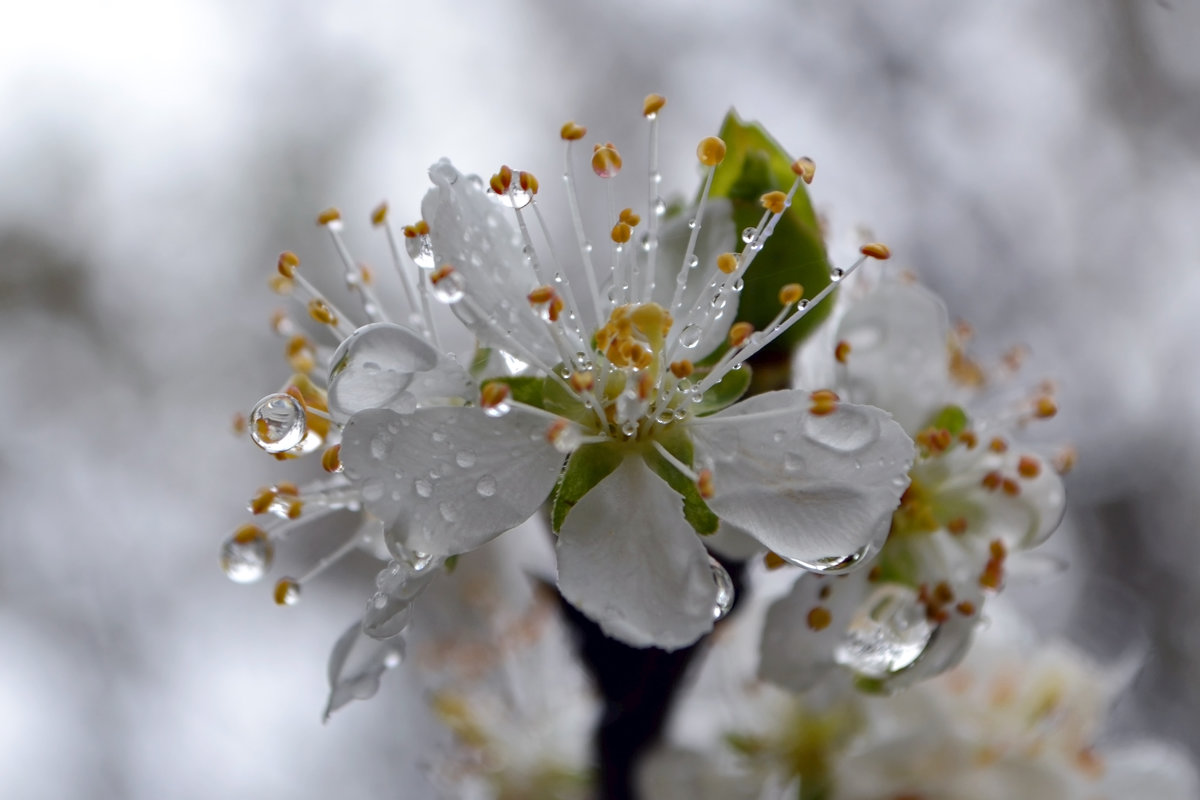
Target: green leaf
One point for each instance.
(587, 466)
(951, 419)
(754, 165)
(724, 393)
(527, 389)
(695, 510)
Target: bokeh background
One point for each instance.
(1036, 163)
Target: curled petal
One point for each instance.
(447, 480)
(356, 665)
(628, 560)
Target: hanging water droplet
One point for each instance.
(450, 287)
(691, 223)
(423, 487)
(888, 633)
(629, 429)
(486, 486)
(690, 336)
(660, 206)
(516, 197)
(246, 555)
(567, 440)
(278, 423)
(835, 565)
(464, 459)
(723, 601)
(718, 301)
(420, 250)
(373, 366)
(749, 235)
(693, 261)
(287, 592)
(665, 416)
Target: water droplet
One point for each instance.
(738, 285)
(629, 429)
(693, 261)
(423, 487)
(567, 440)
(837, 274)
(287, 592)
(690, 336)
(665, 416)
(850, 430)
(448, 511)
(373, 367)
(888, 633)
(437, 437)
(835, 565)
(516, 197)
(246, 555)
(587, 247)
(420, 250)
(777, 437)
(278, 423)
(420, 561)
(499, 409)
(464, 459)
(749, 235)
(723, 602)
(380, 446)
(660, 206)
(691, 223)
(718, 301)
(450, 288)
(486, 486)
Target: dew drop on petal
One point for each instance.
(449, 511)
(850, 430)
(690, 335)
(486, 486)
(464, 459)
(278, 423)
(246, 557)
(423, 487)
(723, 601)
(450, 288)
(888, 633)
(373, 367)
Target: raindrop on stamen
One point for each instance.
(246, 555)
(420, 250)
(690, 336)
(723, 601)
(278, 423)
(749, 235)
(693, 261)
(498, 409)
(516, 197)
(691, 223)
(450, 287)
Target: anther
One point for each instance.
(773, 560)
(969, 439)
(823, 402)
(582, 381)
(704, 482)
(992, 481)
(998, 445)
(493, 394)
(1044, 407)
(966, 608)
(542, 294)
(379, 215)
(842, 351)
(622, 233)
(997, 549)
(682, 368)
(294, 509)
(321, 312)
(239, 423)
(262, 501)
(652, 104)
(287, 592)
(1010, 487)
(819, 618)
(1029, 467)
(1064, 462)
(248, 534)
(739, 333)
(440, 274)
(288, 261)
(645, 385)
(331, 459)
(418, 228)
(957, 526)
(328, 215)
(876, 250)
(710, 151)
(501, 182)
(572, 131)
(629, 218)
(606, 161)
(288, 488)
(528, 182)
(775, 202)
(805, 168)
(727, 262)
(790, 293)
(825, 592)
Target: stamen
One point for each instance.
(682, 368)
(819, 618)
(710, 151)
(572, 132)
(727, 262)
(775, 202)
(331, 459)
(353, 273)
(824, 402)
(425, 313)
(805, 168)
(739, 333)
(876, 250)
(842, 351)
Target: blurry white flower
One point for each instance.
(976, 496)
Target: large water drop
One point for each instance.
(278, 423)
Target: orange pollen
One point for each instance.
(823, 402)
(992, 481)
(969, 439)
(739, 333)
(773, 560)
(555, 430)
(262, 501)
(493, 394)
(819, 618)
(582, 381)
(727, 262)
(966, 608)
(1044, 407)
(331, 459)
(653, 104)
(288, 488)
(288, 261)
(957, 526)
(501, 182)
(542, 294)
(1010, 487)
(876, 250)
(942, 593)
(704, 482)
(295, 508)
(681, 369)
(842, 351)
(328, 215)
(528, 182)
(790, 293)
(379, 215)
(248, 533)
(621, 233)
(1029, 467)
(710, 151)
(239, 423)
(418, 228)
(572, 131)
(441, 273)
(606, 161)
(321, 312)
(775, 202)
(997, 549)
(998, 445)
(627, 216)
(645, 385)
(284, 589)
(805, 168)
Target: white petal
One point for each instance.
(356, 664)
(808, 487)
(898, 353)
(628, 560)
(479, 239)
(1150, 769)
(446, 480)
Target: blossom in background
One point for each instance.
(976, 497)
(616, 399)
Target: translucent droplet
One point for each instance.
(450, 288)
(278, 423)
(838, 274)
(738, 285)
(420, 250)
(749, 235)
(888, 633)
(660, 206)
(834, 565)
(373, 367)
(486, 486)
(464, 459)
(287, 592)
(568, 440)
(449, 511)
(693, 261)
(629, 429)
(665, 416)
(246, 555)
(499, 409)
(380, 446)
(723, 601)
(423, 487)
(851, 430)
(691, 223)
(516, 197)
(690, 336)
(718, 301)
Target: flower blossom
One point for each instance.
(616, 399)
(976, 497)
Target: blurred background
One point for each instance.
(1037, 164)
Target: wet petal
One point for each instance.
(807, 486)
(391, 607)
(479, 239)
(898, 357)
(447, 480)
(628, 560)
(356, 665)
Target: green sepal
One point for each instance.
(951, 419)
(479, 362)
(450, 564)
(586, 467)
(527, 389)
(695, 510)
(724, 392)
(754, 165)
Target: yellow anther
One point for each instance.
(998, 445)
(823, 402)
(418, 228)
(704, 483)
(621, 233)
(295, 508)
(876, 250)
(528, 182)
(572, 131)
(739, 333)
(328, 215)
(249, 533)
(710, 151)
(501, 182)
(969, 439)
(1044, 407)
(440, 274)
(1029, 467)
(957, 526)
(805, 168)
(682, 368)
(606, 161)
(321, 312)
(991, 481)
(583, 381)
(997, 549)
(542, 294)
(727, 262)
(653, 104)
(365, 273)
(556, 430)
(261, 502)
(331, 459)
(651, 319)
(773, 560)
(790, 293)
(379, 215)
(493, 394)
(775, 202)
(288, 261)
(842, 351)
(287, 592)
(288, 488)
(629, 218)
(966, 608)
(1010, 487)
(819, 618)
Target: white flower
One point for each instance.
(975, 497)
